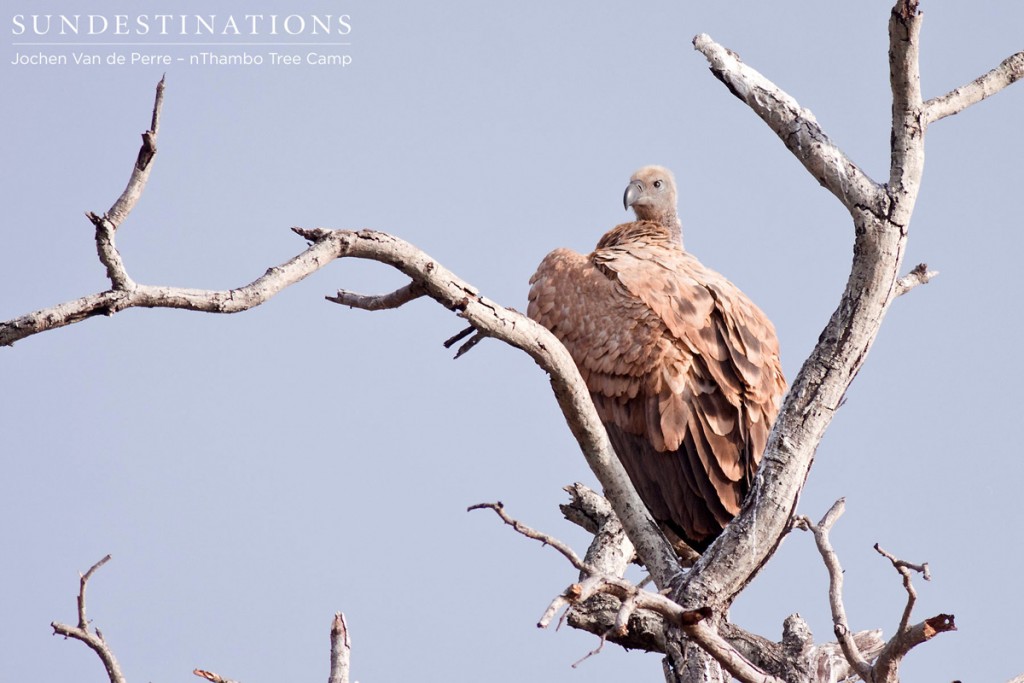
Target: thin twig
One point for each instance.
(923, 569)
(458, 336)
(596, 650)
(83, 622)
(567, 552)
(468, 346)
(904, 569)
(470, 343)
(920, 275)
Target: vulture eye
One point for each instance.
(657, 183)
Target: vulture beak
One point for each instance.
(633, 194)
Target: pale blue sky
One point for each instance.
(253, 474)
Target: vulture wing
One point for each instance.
(682, 366)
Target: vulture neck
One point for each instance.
(668, 233)
(675, 228)
(663, 216)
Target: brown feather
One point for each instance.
(683, 367)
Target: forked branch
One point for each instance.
(886, 667)
(880, 217)
(92, 638)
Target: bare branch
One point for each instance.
(795, 126)
(83, 622)
(558, 545)
(212, 677)
(693, 622)
(95, 641)
(907, 139)
(341, 650)
(552, 609)
(107, 224)
(923, 569)
(886, 668)
(109, 256)
(381, 302)
(143, 165)
(920, 275)
(835, 588)
(904, 569)
(115, 300)
(1009, 71)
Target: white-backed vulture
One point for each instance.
(683, 368)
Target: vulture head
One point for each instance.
(652, 194)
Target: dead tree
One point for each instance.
(684, 616)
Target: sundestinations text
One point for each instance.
(180, 25)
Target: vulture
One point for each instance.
(683, 368)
